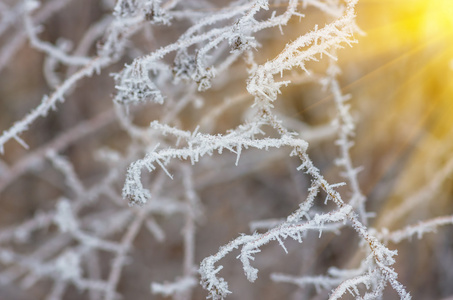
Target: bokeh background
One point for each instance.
(399, 75)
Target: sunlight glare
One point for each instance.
(439, 17)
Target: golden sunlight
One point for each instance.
(405, 73)
(439, 16)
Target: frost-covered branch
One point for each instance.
(417, 230)
(210, 116)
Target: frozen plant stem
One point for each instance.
(196, 103)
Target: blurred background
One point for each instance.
(399, 75)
